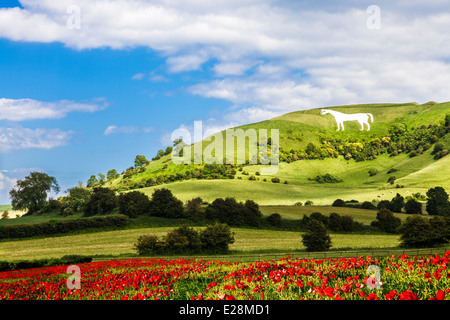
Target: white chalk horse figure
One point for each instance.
(362, 118)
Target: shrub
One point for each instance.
(316, 238)
(61, 226)
(275, 180)
(102, 201)
(275, 220)
(309, 203)
(418, 231)
(338, 203)
(217, 238)
(413, 206)
(397, 203)
(133, 204)
(148, 245)
(165, 204)
(335, 222)
(436, 197)
(368, 205)
(234, 213)
(373, 172)
(386, 221)
(183, 240)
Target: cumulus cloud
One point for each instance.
(126, 130)
(29, 109)
(18, 138)
(268, 57)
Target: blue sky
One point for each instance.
(85, 86)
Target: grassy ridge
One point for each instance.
(297, 129)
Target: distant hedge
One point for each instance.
(38, 263)
(61, 226)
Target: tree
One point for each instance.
(76, 200)
(101, 178)
(217, 238)
(102, 201)
(436, 197)
(386, 221)
(140, 161)
(32, 192)
(316, 238)
(412, 206)
(92, 181)
(165, 204)
(397, 203)
(418, 231)
(133, 203)
(112, 174)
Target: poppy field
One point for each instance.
(363, 278)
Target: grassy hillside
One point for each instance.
(296, 131)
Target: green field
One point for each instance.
(297, 129)
(121, 242)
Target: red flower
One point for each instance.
(440, 295)
(372, 296)
(408, 295)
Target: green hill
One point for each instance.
(400, 143)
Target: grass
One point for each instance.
(121, 242)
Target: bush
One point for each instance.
(316, 237)
(436, 197)
(61, 226)
(148, 245)
(183, 240)
(418, 231)
(275, 180)
(234, 213)
(102, 201)
(133, 204)
(413, 206)
(397, 203)
(217, 238)
(275, 220)
(386, 221)
(213, 239)
(368, 205)
(335, 222)
(338, 203)
(165, 204)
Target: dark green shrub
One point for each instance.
(148, 245)
(338, 203)
(320, 217)
(216, 238)
(418, 231)
(133, 204)
(397, 203)
(234, 213)
(335, 222)
(316, 237)
(436, 197)
(275, 220)
(183, 240)
(165, 204)
(386, 221)
(102, 201)
(368, 205)
(412, 206)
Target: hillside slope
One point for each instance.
(299, 129)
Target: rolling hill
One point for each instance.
(380, 150)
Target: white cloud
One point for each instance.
(29, 109)
(271, 57)
(126, 130)
(18, 138)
